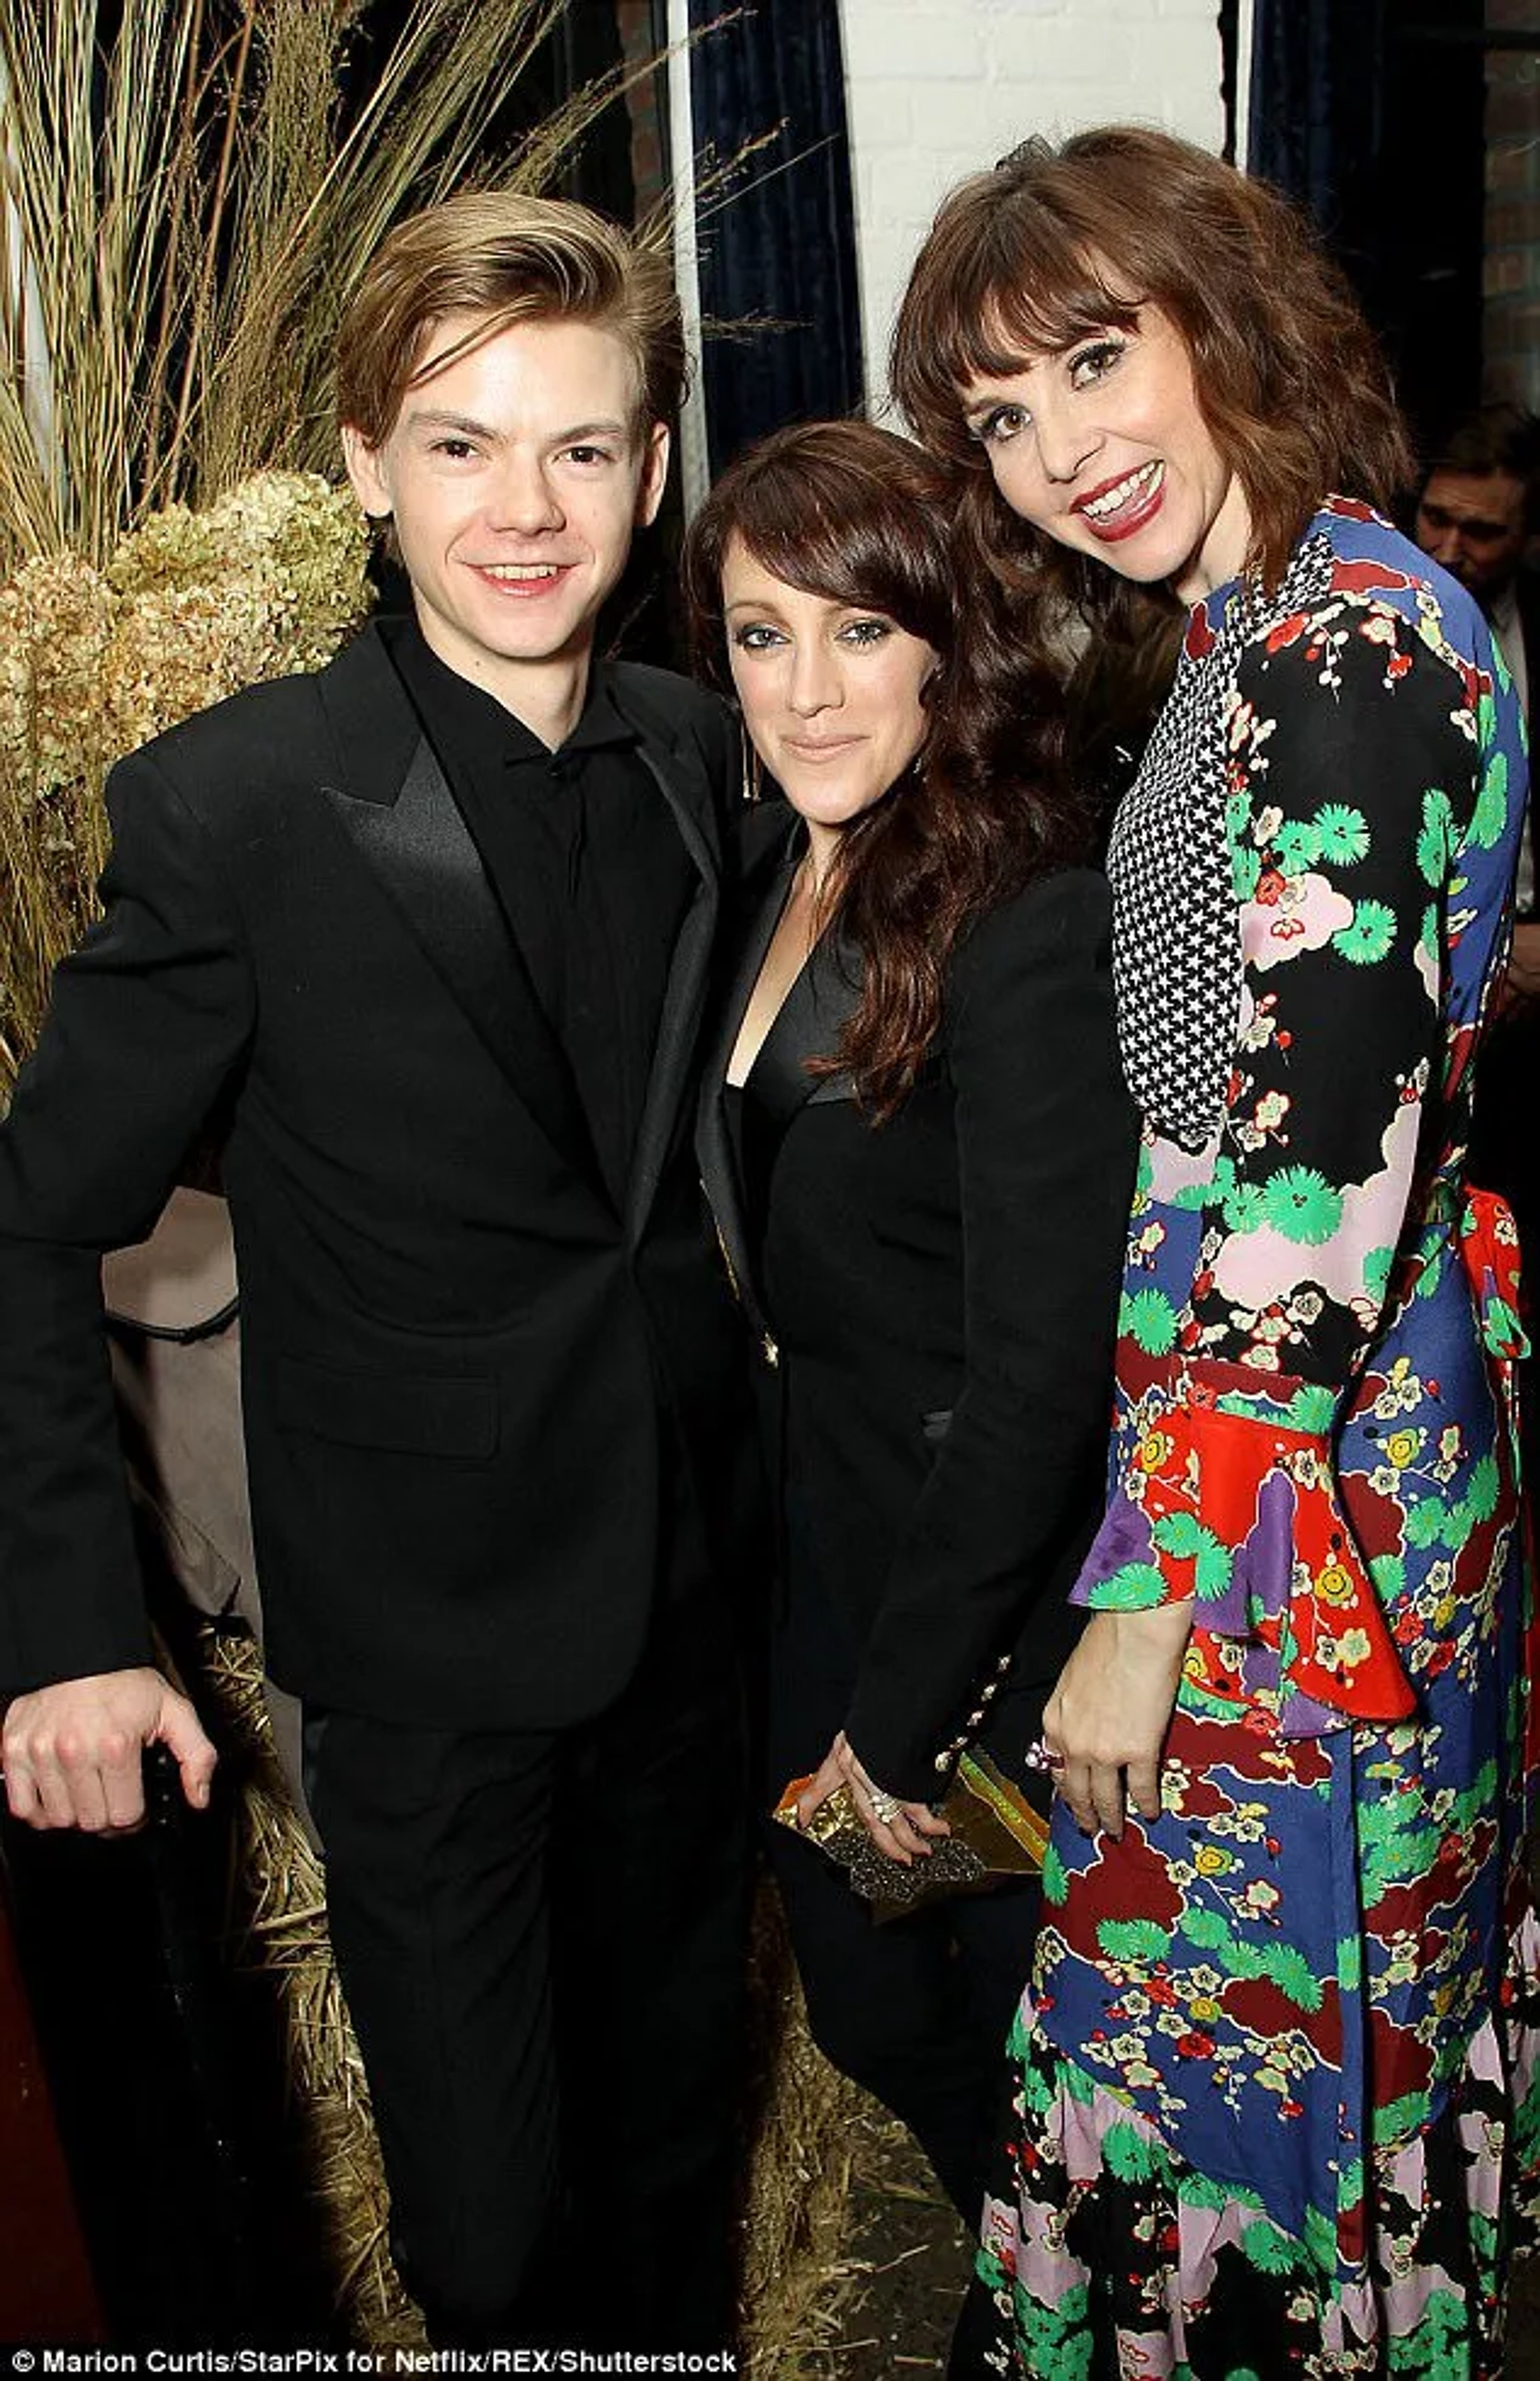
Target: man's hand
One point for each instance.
(1107, 1716)
(71, 1752)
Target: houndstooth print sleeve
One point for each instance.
(1176, 943)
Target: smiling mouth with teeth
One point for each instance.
(1109, 503)
(519, 574)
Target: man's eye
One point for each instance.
(454, 449)
(588, 455)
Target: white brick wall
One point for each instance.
(938, 89)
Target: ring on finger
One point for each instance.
(884, 1807)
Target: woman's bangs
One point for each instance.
(800, 541)
(1021, 314)
(786, 528)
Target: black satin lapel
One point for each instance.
(714, 1142)
(422, 853)
(681, 779)
(375, 729)
(808, 1025)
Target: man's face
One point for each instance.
(514, 478)
(1473, 524)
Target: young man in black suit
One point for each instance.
(427, 936)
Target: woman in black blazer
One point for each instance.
(919, 1152)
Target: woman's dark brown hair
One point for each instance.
(861, 517)
(1056, 243)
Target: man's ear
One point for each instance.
(655, 472)
(366, 475)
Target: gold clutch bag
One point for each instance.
(996, 1834)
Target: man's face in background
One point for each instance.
(1473, 524)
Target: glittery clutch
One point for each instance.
(996, 1834)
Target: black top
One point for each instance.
(754, 1137)
(588, 867)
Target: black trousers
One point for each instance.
(542, 1942)
(917, 2009)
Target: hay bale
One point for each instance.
(798, 2119)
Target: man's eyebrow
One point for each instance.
(605, 429)
(429, 417)
(1476, 523)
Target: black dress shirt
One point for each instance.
(588, 866)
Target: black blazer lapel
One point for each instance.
(808, 1025)
(395, 806)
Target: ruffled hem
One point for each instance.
(1115, 2254)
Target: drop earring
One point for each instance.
(752, 769)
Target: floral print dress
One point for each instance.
(1275, 2112)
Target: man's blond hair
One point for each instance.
(503, 258)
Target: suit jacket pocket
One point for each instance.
(405, 1413)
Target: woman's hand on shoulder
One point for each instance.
(1106, 1720)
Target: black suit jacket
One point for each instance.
(459, 1357)
(943, 1291)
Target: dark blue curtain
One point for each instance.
(1371, 112)
(1317, 83)
(782, 247)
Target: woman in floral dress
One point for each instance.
(1274, 2111)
